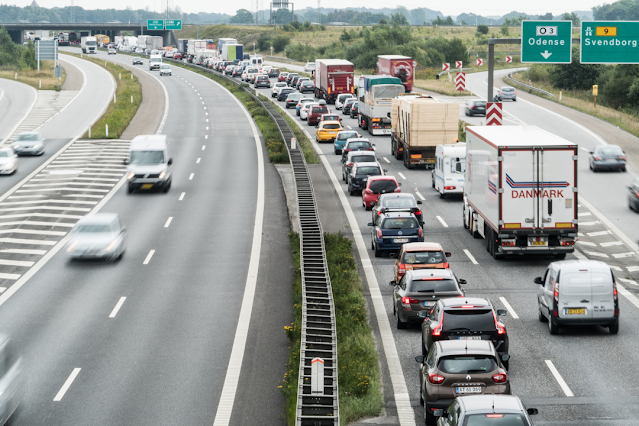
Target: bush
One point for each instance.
(539, 72)
(301, 52)
(482, 29)
(504, 29)
(575, 75)
(264, 41)
(280, 42)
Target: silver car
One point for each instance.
(8, 161)
(609, 157)
(11, 379)
(507, 92)
(100, 236)
(29, 143)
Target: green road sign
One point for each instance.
(155, 24)
(546, 42)
(610, 42)
(173, 24)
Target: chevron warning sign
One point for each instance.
(458, 64)
(509, 59)
(460, 81)
(445, 67)
(493, 114)
(480, 62)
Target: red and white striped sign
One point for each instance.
(460, 81)
(509, 59)
(458, 64)
(493, 114)
(445, 67)
(480, 62)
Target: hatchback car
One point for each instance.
(469, 318)
(339, 101)
(354, 157)
(346, 109)
(315, 113)
(417, 256)
(359, 144)
(8, 161)
(293, 82)
(165, 69)
(274, 73)
(398, 203)
(327, 131)
(376, 186)
(29, 143)
(262, 81)
(301, 104)
(354, 110)
(360, 172)
(633, 195)
(177, 55)
(330, 117)
(292, 100)
(276, 89)
(100, 236)
(474, 107)
(290, 77)
(306, 109)
(493, 410)
(284, 92)
(307, 86)
(507, 92)
(391, 230)
(415, 294)
(610, 157)
(309, 66)
(138, 61)
(112, 51)
(454, 368)
(341, 138)
(237, 72)
(299, 81)
(283, 76)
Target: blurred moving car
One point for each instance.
(610, 157)
(12, 381)
(507, 92)
(29, 143)
(100, 236)
(342, 137)
(413, 256)
(493, 410)
(633, 195)
(391, 230)
(138, 61)
(327, 131)
(165, 69)
(376, 186)
(307, 86)
(475, 107)
(149, 163)
(8, 161)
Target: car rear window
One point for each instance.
(331, 118)
(356, 145)
(467, 364)
(398, 203)
(400, 223)
(428, 285)
(382, 186)
(423, 257)
(507, 89)
(495, 419)
(611, 150)
(332, 126)
(320, 110)
(346, 135)
(362, 158)
(472, 319)
(368, 171)
(307, 83)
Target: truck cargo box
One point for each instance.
(334, 77)
(398, 66)
(426, 122)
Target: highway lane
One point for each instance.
(592, 362)
(16, 100)
(163, 357)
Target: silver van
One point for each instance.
(578, 292)
(149, 164)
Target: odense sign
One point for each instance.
(610, 42)
(546, 42)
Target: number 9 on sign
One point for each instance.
(546, 31)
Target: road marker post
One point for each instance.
(460, 81)
(106, 126)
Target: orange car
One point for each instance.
(419, 256)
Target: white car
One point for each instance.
(165, 69)
(301, 104)
(8, 161)
(277, 88)
(100, 236)
(339, 102)
(310, 66)
(306, 109)
(169, 54)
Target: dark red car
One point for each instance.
(376, 186)
(177, 55)
(315, 113)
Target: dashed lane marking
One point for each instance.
(623, 255)
(591, 223)
(197, 161)
(599, 233)
(421, 197)
(441, 220)
(148, 257)
(560, 380)
(203, 147)
(584, 214)
(615, 268)
(508, 307)
(401, 175)
(611, 243)
(181, 196)
(117, 307)
(386, 159)
(596, 254)
(206, 136)
(471, 257)
(168, 222)
(587, 243)
(627, 281)
(67, 384)
(191, 177)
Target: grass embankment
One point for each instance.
(360, 392)
(119, 113)
(34, 77)
(581, 100)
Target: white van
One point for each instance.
(257, 60)
(154, 62)
(450, 166)
(578, 292)
(149, 164)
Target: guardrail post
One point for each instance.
(107, 130)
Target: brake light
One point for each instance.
(557, 292)
(500, 378)
(350, 164)
(418, 213)
(501, 93)
(408, 300)
(501, 329)
(494, 416)
(614, 291)
(437, 331)
(431, 279)
(621, 158)
(368, 149)
(420, 233)
(402, 269)
(449, 188)
(597, 158)
(379, 233)
(446, 265)
(435, 379)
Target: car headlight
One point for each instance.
(130, 176)
(112, 244)
(162, 174)
(16, 146)
(38, 146)
(72, 246)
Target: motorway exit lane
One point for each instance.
(16, 100)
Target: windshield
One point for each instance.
(368, 171)
(472, 319)
(319, 110)
(400, 223)
(147, 157)
(480, 103)
(356, 145)
(495, 420)
(467, 364)
(156, 59)
(91, 43)
(346, 135)
(165, 67)
(458, 166)
(341, 98)
(383, 186)
(429, 285)
(423, 257)
(386, 93)
(93, 228)
(28, 137)
(294, 96)
(332, 126)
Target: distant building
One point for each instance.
(34, 3)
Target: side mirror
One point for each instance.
(590, 152)
(399, 183)
(532, 411)
(505, 357)
(123, 229)
(420, 359)
(170, 161)
(371, 224)
(501, 312)
(385, 170)
(538, 280)
(419, 202)
(447, 254)
(125, 161)
(460, 281)
(392, 283)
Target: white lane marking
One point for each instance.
(181, 196)
(349, 127)
(197, 161)
(202, 102)
(207, 127)
(118, 305)
(471, 257)
(596, 253)
(204, 107)
(560, 380)
(65, 387)
(207, 120)
(510, 308)
(625, 293)
(623, 255)
(439, 218)
(27, 241)
(401, 175)
(35, 99)
(631, 244)
(421, 197)
(191, 177)
(586, 243)
(626, 281)
(599, 233)
(611, 243)
(10, 276)
(206, 136)
(206, 113)
(615, 268)
(168, 222)
(203, 147)
(24, 251)
(386, 159)
(2, 289)
(16, 262)
(591, 223)
(584, 214)
(584, 149)
(148, 257)
(632, 268)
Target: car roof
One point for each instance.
(474, 404)
(29, 133)
(427, 273)
(372, 178)
(392, 215)
(330, 122)
(357, 140)
(368, 164)
(479, 302)
(581, 265)
(465, 347)
(98, 218)
(410, 247)
(142, 142)
(396, 195)
(369, 153)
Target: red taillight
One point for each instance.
(350, 164)
(501, 328)
(501, 93)
(398, 189)
(557, 292)
(500, 378)
(494, 416)
(621, 158)
(408, 301)
(420, 233)
(418, 213)
(368, 149)
(614, 291)
(449, 188)
(401, 269)
(435, 379)
(379, 233)
(379, 213)
(437, 331)
(597, 158)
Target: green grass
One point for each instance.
(310, 155)
(119, 114)
(360, 392)
(41, 80)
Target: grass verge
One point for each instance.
(581, 100)
(442, 86)
(34, 77)
(360, 392)
(119, 113)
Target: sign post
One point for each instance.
(546, 42)
(253, 48)
(595, 90)
(609, 42)
(155, 24)
(271, 50)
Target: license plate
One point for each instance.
(469, 338)
(429, 304)
(578, 311)
(539, 243)
(387, 131)
(430, 160)
(147, 186)
(400, 240)
(468, 389)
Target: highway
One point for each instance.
(16, 100)
(153, 339)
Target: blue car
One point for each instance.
(284, 93)
(340, 139)
(392, 230)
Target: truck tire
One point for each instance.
(432, 178)
(407, 163)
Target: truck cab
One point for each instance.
(450, 165)
(154, 62)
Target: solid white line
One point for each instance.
(421, 197)
(631, 244)
(510, 308)
(203, 147)
(191, 177)
(2, 289)
(386, 159)
(67, 384)
(197, 161)
(206, 136)
(118, 305)
(439, 218)
(168, 222)
(471, 257)
(181, 196)
(560, 380)
(148, 257)
(35, 99)
(401, 175)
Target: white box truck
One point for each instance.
(89, 44)
(450, 166)
(520, 190)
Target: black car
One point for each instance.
(293, 99)
(262, 81)
(355, 157)
(354, 112)
(360, 172)
(290, 77)
(470, 318)
(346, 109)
(299, 82)
(476, 108)
(633, 195)
(398, 202)
(293, 82)
(392, 230)
(284, 93)
(138, 61)
(307, 86)
(274, 73)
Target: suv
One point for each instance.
(455, 368)
(495, 410)
(470, 318)
(391, 230)
(262, 81)
(316, 112)
(360, 172)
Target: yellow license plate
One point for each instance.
(580, 311)
(539, 243)
(147, 186)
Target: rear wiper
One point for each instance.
(475, 371)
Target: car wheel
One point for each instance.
(467, 113)
(129, 190)
(368, 208)
(614, 329)
(167, 187)
(590, 166)
(623, 169)
(553, 328)
(432, 178)
(429, 417)
(336, 152)
(401, 325)
(442, 195)
(559, 256)
(424, 350)
(378, 253)
(351, 191)
(506, 365)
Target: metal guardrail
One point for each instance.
(317, 404)
(527, 86)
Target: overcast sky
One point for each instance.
(454, 7)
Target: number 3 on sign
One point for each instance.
(546, 31)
